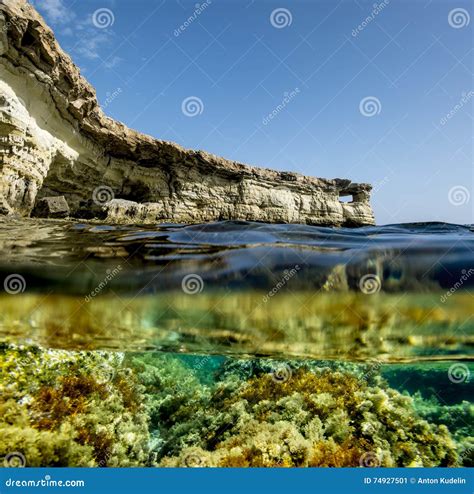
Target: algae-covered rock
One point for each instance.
(173, 396)
(458, 418)
(288, 415)
(61, 408)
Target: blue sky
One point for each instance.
(375, 92)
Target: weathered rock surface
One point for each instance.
(51, 207)
(55, 140)
(5, 209)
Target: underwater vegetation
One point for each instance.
(63, 408)
(459, 418)
(309, 417)
(292, 325)
(60, 408)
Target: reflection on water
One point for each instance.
(346, 326)
(65, 257)
(236, 344)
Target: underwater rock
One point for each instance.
(459, 418)
(61, 408)
(51, 207)
(292, 416)
(56, 141)
(79, 408)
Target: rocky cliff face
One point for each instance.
(56, 141)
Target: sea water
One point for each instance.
(236, 344)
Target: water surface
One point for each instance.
(236, 344)
(398, 292)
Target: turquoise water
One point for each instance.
(236, 344)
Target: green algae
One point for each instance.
(97, 408)
(61, 408)
(304, 324)
(313, 416)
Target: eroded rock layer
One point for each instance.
(56, 141)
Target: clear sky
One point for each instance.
(375, 92)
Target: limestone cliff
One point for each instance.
(56, 141)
